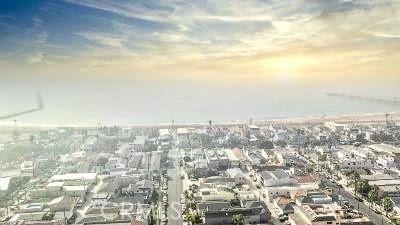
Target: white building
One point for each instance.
(275, 178)
(335, 127)
(386, 161)
(353, 160)
(4, 184)
(28, 169)
(75, 178)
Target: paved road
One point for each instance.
(174, 189)
(374, 217)
(274, 215)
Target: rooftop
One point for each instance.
(73, 176)
(4, 183)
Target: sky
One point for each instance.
(204, 40)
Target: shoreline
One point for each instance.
(304, 120)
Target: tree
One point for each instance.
(31, 138)
(194, 219)
(354, 179)
(387, 204)
(238, 219)
(362, 187)
(373, 194)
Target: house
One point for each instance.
(28, 169)
(244, 162)
(183, 137)
(258, 214)
(62, 203)
(75, 178)
(139, 143)
(217, 180)
(326, 214)
(396, 205)
(4, 185)
(233, 160)
(237, 174)
(274, 178)
(216, 159)
(350, 160)
(284, 205)
(334, 127)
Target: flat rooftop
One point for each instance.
(4, 183)
(73, 176)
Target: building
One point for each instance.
(233, 160)
(183, 137)
(216, 159)
(28, 169)
(326, 214)
(85, 179)
(139, 143)
(237, 174)
(258, 214)
(392, 150)
(334, 127)
(284, 205)
(275, 178)
(352, 160)
(4, 184)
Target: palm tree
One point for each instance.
(238, 219)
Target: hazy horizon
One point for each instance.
(132, 103)
(154, 61)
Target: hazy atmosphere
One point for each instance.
(199, 112)
(153, 61)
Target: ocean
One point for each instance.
(75, 103)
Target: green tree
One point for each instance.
(238, 219)
(355, 180)
(373, 194)
(387, 204)
(362, 187)
(31, 138)
(194, 219)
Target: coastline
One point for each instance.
(305, 120)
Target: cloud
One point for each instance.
(35, 58)
(230, 37)
(105, 39)
(41, 37)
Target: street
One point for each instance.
(174, 189)
(374, 217)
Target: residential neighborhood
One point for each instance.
(214, 174)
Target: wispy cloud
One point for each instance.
(228, 37)
(35, 58)
(41, 37)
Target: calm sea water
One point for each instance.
(129, 103)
